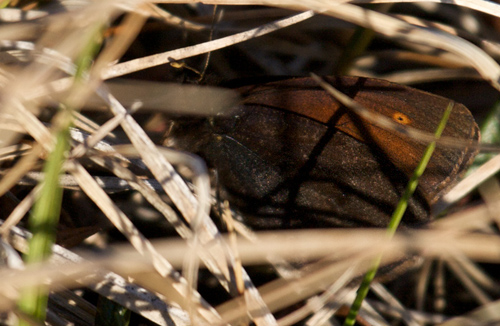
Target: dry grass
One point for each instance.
(446, 49)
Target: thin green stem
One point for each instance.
(396, 219)
(358, 43)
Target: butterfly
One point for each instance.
(291, 156)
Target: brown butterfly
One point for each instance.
(291, 156)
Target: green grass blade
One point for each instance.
(46, 210)
(110, 313)
(358, 43)
(490, 134)
(42, 224)
(396, 219)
